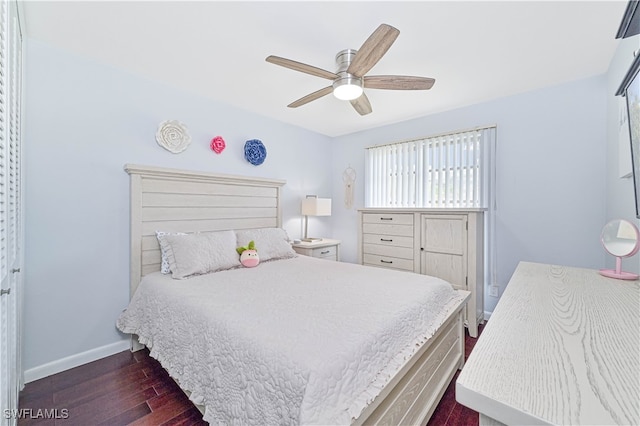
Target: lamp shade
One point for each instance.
(313, 206)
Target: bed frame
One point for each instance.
(188, 201)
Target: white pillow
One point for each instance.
(271, 243)
(164, 267)
(200, 253)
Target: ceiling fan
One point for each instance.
(349, 80)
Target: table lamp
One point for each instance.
(314, 206)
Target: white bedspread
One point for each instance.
(295, 341)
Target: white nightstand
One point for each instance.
(323, 249)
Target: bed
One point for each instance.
(295, 340)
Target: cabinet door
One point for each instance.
(444, 248)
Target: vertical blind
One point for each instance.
(4, 130)
(10, 207)
(446, 171)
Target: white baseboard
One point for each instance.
(487, 315)
(72, 361)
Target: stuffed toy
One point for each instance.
(248, 255)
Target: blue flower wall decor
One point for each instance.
(255, 152)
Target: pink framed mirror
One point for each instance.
(620, 238)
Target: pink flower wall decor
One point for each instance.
(217, 144)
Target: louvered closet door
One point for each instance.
(10, 209)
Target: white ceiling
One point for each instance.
(475, 50)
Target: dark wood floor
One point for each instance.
(133, 389)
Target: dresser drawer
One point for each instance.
(387, 262)
(388, 218)
(388, 240)
(388, 229)
(390, 251)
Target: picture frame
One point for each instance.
(630, 89)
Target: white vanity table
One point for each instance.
(562, 347)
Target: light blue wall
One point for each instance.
(84, 121)
(550, 172)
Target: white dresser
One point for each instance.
(444, 243)
(562, 347)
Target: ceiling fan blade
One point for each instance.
(398, 82)
(299, 66)
(311, 97)
(362, 105)
(373, 49)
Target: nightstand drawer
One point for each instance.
(322, 249)
(325, 252)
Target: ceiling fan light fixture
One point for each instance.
(352, 67)
(347, 88)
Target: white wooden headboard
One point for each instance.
(187, 201)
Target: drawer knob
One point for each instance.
(325, 252)
(386, 261)
(386, 240)
(386, 218)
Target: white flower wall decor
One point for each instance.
(173, 136)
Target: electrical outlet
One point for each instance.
(493, 291)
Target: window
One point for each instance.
(444, 171)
